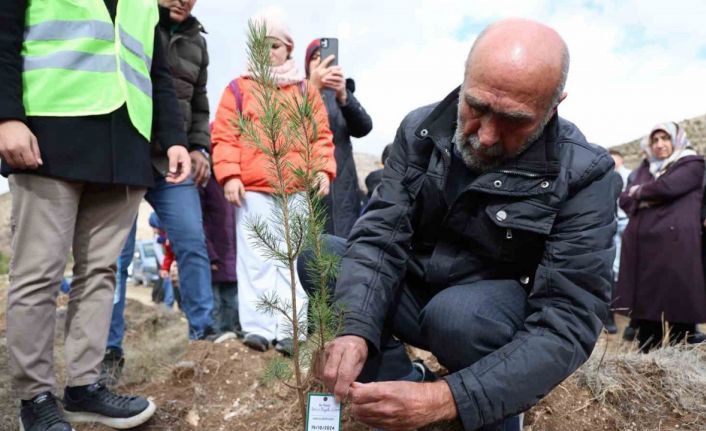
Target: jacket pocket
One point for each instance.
(522, 227)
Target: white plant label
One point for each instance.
(323, 413)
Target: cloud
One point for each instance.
(634, 62)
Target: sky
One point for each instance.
(634, 63)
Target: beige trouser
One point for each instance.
(49, 217)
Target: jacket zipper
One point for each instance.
(520, 173)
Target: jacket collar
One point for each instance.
(191, 25)
(541, 157)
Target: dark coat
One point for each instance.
(100, 148)
(187, 56)
(660, 266)
(343, 202)
(219, 227)
(545, 218)
(372, 180)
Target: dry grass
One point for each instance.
(617, 389)
(667, 384)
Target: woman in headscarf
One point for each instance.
(347, 118)
(245, 173)
(661, 281)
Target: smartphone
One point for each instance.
(329, 46)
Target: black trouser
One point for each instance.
(459, 325)
(650, 333)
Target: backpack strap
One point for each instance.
(235, 89)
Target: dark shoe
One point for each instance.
(257, 342)
(696, 338)
(112, 367)
(610, 325)
(285, 347)
(95, 403)
(629, 334)
(208, 334)
(425, 374)
(42, 413)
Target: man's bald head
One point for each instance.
(530, 52)
(514, 80)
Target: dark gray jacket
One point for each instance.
(545, 218)
(187, 55)
(343, 202)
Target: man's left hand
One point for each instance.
(179, 164)
(200, 166)
(402, 405)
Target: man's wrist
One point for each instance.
(443, 401)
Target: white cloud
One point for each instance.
(405, 54)
(634, 62)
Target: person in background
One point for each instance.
(375, 177)
(661, 278)
(347, 119)
(177, 205)
(74, 141)
(243, 170)
(219, 225)
(621, 176)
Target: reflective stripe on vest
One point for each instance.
(74, 65)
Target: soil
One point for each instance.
(207, 386)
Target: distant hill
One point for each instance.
(695, 130)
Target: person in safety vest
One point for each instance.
(84, 87)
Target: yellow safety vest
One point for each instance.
(77, 62)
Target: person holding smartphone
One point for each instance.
(346, 118)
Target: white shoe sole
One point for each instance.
(22, 428)
(117, 423)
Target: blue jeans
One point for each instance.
(178, 207)
(225, 306)
(440, 325)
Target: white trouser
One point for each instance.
(258, 275)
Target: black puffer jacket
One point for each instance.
(187, 56)
(343, 202)
(545, 218)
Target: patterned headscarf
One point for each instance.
(680, 144)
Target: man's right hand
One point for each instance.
(345, 357)
(234, 191)
(18, 145)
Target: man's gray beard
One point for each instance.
(469, 148)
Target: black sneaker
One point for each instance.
(257, 342)
(112, 367)
(95, 403)
(42, 413)
(285, 347)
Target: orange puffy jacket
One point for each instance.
(235, 157)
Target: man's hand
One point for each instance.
(323, 183)
(402, 405)
(345, 357)
(200, 167)
(163, 273)
(179, 164)
(633, 191)
(18, 145)
(234, 191)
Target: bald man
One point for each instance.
(488, 243)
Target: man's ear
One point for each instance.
(561, 99)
